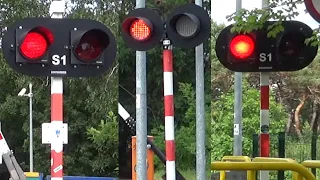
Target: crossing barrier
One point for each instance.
(255, 166)
(10, 161)
(250, 174)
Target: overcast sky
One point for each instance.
(221, 8)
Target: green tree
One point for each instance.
(223, 115)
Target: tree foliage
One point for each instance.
(223, 117)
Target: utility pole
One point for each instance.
(237, 127)
(30, 96)
(200, 112)
(141, 109)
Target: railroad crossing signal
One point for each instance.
(142, 29)
(59, 47)
(255, 52)
(187, 26)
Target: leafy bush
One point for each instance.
(223, 118)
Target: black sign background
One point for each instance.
(61, 29)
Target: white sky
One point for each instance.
(221, 8)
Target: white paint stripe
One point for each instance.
(171, 170)
(122, 112)
(56, 85)
(264, 79)
(264, 117)
(167, 83)
(56, 178)
(264, 175)
(169, 127)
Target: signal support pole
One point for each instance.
(237, 127)
(200, 112)
(30, 95)
(141, 109)
(57, 8)
(264, 113)
(169, 109)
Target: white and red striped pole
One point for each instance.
(169, 109)
(57, 9)
(264, 120)
(56, 124)
(264, 113)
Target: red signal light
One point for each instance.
(91, 45)
(140, 30)
(34, 45)
(242, 46)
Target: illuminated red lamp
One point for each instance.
(35, 44)
(242, 46)
(140, 29)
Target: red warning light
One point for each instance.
(140, 30)
(89, 48)
(91, 45)
(34, 46)
(242, 46)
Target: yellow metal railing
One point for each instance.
(255, 166)
(311, 164)
(295, 175)
(250, 174)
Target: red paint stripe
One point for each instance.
(57, 161)
(170, 148)
(311, 9)
(1, 137)
(264, 145)
(168, 105)
(56, 107)
(264, 97)
(167, 61)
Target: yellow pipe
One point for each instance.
(264, 166)
(236, 158)
(267, 159)
(250, 174)
(310, 164)
(223, 175)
